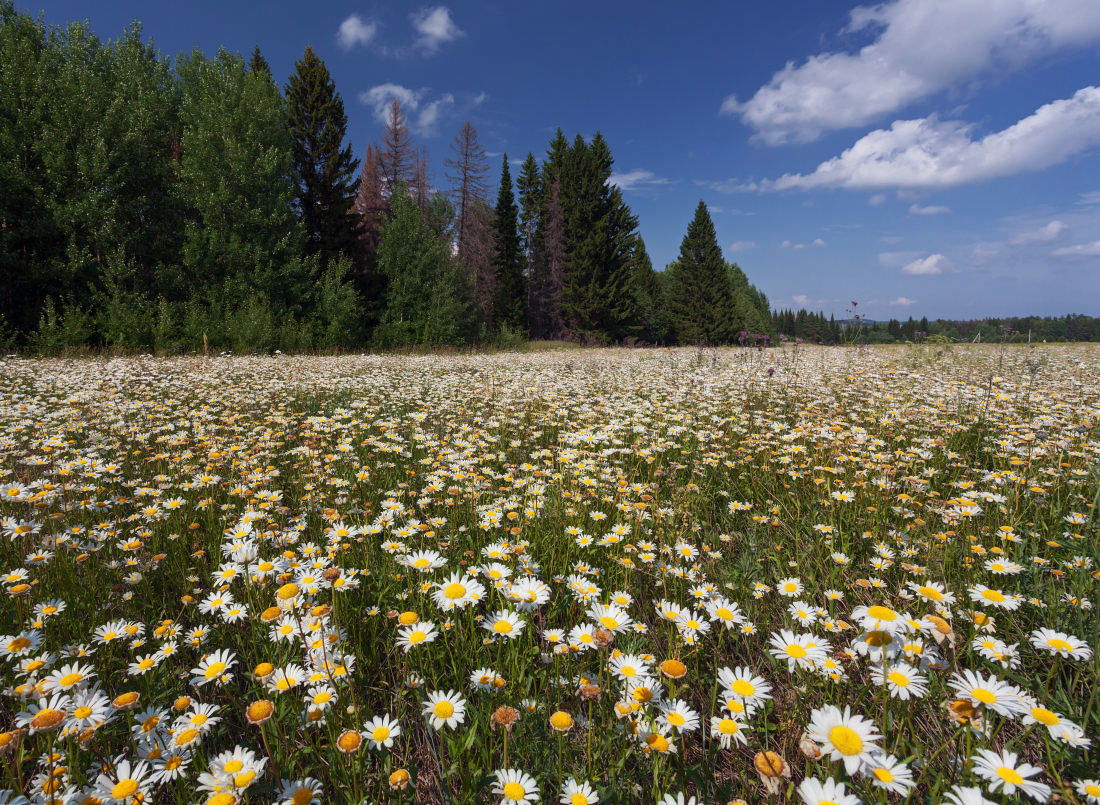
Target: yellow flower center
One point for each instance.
(846, 740)
(743, 688)
(82, 712)
(454, 591)
(380, 734)
(993, 595)
(899, 679)
(303, 796)
(417, 637)
(561, 720)
(884, 775)
(213, 670)
(578, 799)
(1010, 775)
(1044, 716)
(676, 720)
(232, 767)
(796, 651)
(502, 626)
(1059, 643)
(244, 780)
(443, 710)
(882, 613)
(984, 696)
(124, 789)
(727, 726)
(514, 791)
(609, 622)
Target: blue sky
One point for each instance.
(925, 157)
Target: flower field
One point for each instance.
(805, 574)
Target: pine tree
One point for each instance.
(258, 64)
(326, 167)
(467, 169)
(529, 187)
(510, 308)
(548, 270)
(398, 155)
(699, 297)
(654, 326)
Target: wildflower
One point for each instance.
(988, 692)
(380, 732)
(515, 786)
(561, 721)
(125, 782)
(1061, 644)
(844, 736)
(814, 792)
(445, 709)
(578, 793)
(1005, 774)
(728, 730)
(307, 791)
(504, 624)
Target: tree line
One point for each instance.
(817, 328)
(194, 203)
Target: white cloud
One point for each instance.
(1089, 199)
(742, 245)
(902, 301)
(1044, 234)
(896, 259)
(876, 199)
(427, 121)
(1079, 250)
(800, 299)
(932, 264)
(635, 179)
(932, 153)
(816, 242)
(355, 31)
(435, 28)
(424, 115)
(983, 253)
(931, 209)
(920, 48)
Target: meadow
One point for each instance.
(827, 575)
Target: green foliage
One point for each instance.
(426, 300)
(510, 302)
(700, 292)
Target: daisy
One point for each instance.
(678, 715)
(902, 680)
(445, 709)
(457, 591)
(879, 619)
(214, 668)
(994, 598)
(844, 736)
(300, 792)
(678, 799)
(408, 637)
(504, 623)
(1004, 774)
(628, 666)
(515, 786)
(1089, 789)
(798, 650)
(721, 610)
(727, 730)
(423, 561)
(1061, 644)
(890, 774)
(789, 587)
(125, 782)
(933, 591)
(744, 685)
(611, 618)
(284, 678)
(380, 732)
(67, 677)
(988, 692)
(815, 792)
(575, 793)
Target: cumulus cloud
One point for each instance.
(1079, 250)
(903, 301)
(931, 209)
(632, 180)
(929, 153)
(932, 264)
(424, 114)
(355, 31)
(1044, 234)
(434, 28)
(742, 245)
(919, 49)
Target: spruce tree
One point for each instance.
(397, 157)
(511, 294)
(699, 295)
(529, 187)
(326, 167)
(258, 64)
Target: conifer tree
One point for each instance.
(467, 167)
(529, 187)
(699, 296)
(371, 210)
(397, 157)
(258, 64)
(510, 293)
(326, 167)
